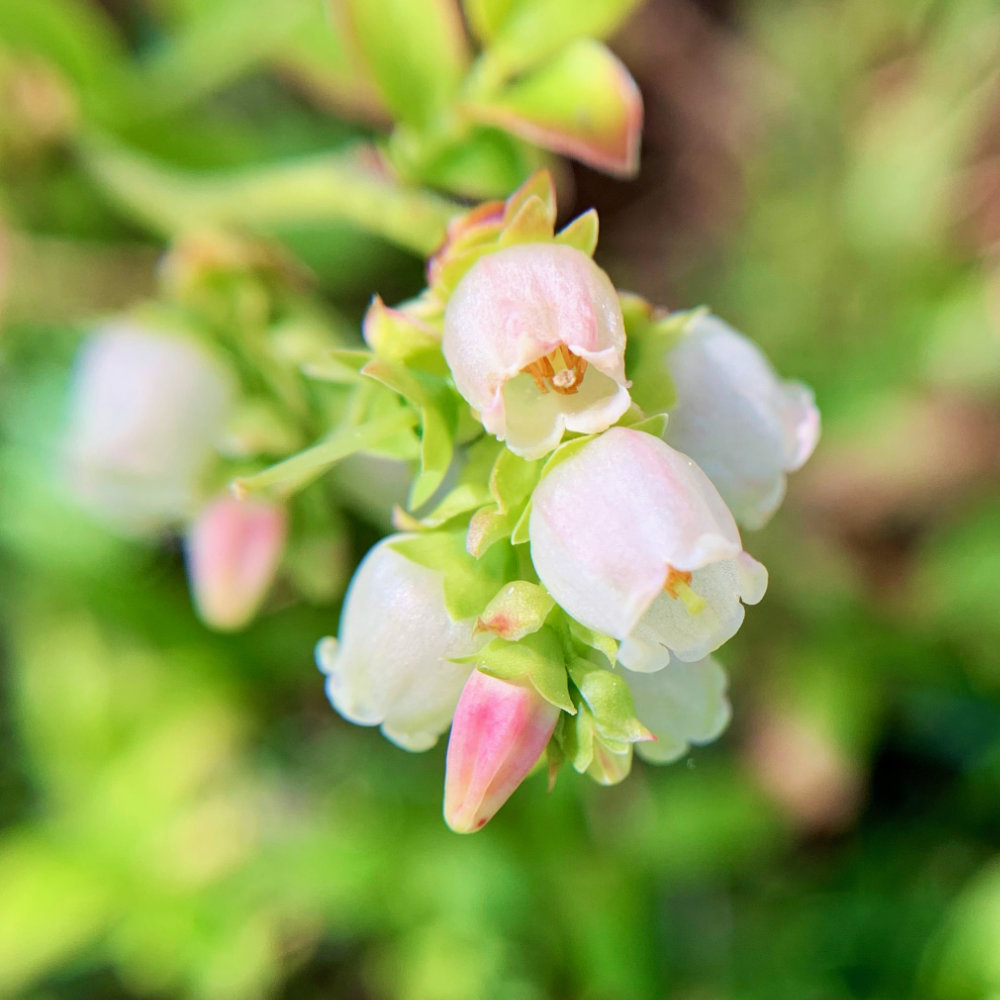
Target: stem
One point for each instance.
(332, 188)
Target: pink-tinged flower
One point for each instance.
(233, 550)
(681, 704)
(535, 340)
(743, 425)
(633, 540)
(146, 411)
(392, 663)
(499, 732)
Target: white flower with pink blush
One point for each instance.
(737, 419)
(147, 409)
(535, 340)
(392, 664)
(632, 539)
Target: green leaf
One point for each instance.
(437, 444)
(469, 585)
(51, 905)
(609, 699)
(485, 17)
(534, 30)
(537, 657)
(518, 610)
(583, 104)
(294, 473)
(581, 233)
(416, 50)
(438, 415)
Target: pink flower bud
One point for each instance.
(535, 340)
(633, 540)
(233, 550)
(499, 732)
(743, 425)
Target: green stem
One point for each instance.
(331, 188)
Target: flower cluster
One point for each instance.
(570, 557)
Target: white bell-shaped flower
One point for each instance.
(535, 340)
(633, 540)
(391, 665)
(146, 410)
(681, 704)
(743, 425)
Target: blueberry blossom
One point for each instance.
(499, 733)
(391, 665)
(743, 425)
(535, 340)
(146, 410)
(633, 540)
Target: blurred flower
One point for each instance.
(146, 408)
(632, 539)
(681, 704)
(743, 425)
(535, 340)
(499, 732)
(233, 550)
(392, 663)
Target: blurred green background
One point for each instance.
(182, 815)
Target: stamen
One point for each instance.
(678, 586)
(560, 369)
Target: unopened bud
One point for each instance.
(499, 732)
(233, 550)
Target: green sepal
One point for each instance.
(655, 425)
(603, 644)
(566, 450)
(512, 479)
(519, 609)
(609, 699)
(519, 533)
(537, 658)
(538, 185)
(532, 224)
(291, 475)
(581, 233)
(470, 492)
(486, 16)
(469, 584)
(487, 527)
(399, 337)
(578, 739)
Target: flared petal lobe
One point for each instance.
(681, 704)
(499, 732)
(392, 663)
(632, 539)
(535, 341)
(742, 424)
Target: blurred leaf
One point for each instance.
(583, 104)
(416, 50)
(79, 39)
(526, 32)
